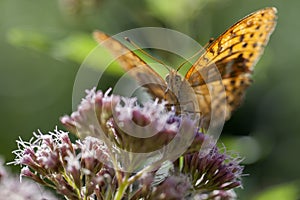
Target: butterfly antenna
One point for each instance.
(145, 53)
(196, 54)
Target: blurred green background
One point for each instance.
(43, 43)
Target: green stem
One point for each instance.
(69, 179)
(122, 188)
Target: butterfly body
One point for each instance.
(179, 94)
(174, 82)
(215, 84)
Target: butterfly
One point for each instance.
(216, 83)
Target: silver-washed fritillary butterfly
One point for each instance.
(234, 54)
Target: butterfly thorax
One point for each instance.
(180, 94)
(174, 82)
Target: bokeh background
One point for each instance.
(43, 43)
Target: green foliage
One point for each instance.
(28, 39)
(283, 191)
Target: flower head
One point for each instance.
(214, 174)
(134, 134)
(128, 150)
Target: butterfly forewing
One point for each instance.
(134, 65)
(234, 54)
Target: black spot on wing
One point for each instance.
(242, 37)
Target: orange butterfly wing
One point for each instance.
(134, 65)
(234, 55)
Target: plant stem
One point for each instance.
(121, 190)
